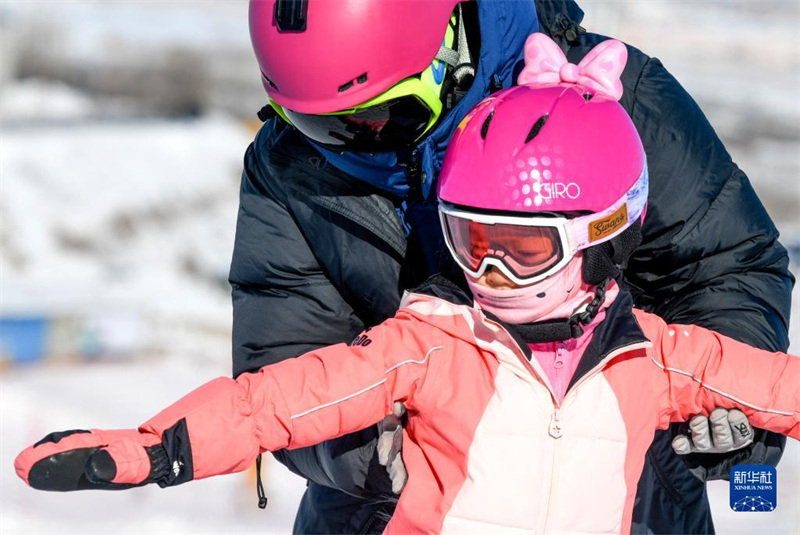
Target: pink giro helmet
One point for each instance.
(321, 56)
(553, 167)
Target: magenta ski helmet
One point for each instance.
(552, 167)
(322, 56)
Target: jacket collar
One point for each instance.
(619, 329)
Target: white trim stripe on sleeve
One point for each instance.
(324, 405)
(410, 361)
(718, 391)
(367, 389)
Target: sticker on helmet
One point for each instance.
(606, 226)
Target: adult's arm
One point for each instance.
(285, 305)
(710, 254)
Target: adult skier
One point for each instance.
(338, 215)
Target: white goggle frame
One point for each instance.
(559, 223)
(574, 234)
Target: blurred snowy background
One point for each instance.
(122, 130)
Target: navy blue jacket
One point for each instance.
(320, 255)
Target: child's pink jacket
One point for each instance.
(488, 450)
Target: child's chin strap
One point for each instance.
(560, 329)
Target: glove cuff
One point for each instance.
(159, 464)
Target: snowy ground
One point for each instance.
(130, 223)
(111, 219)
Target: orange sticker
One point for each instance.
(608, 225)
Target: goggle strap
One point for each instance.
(633, 201)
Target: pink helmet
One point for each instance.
(525, 155)
(327, 55)
(543, 149)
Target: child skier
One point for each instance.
(529, 409)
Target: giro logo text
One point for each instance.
(556, 190)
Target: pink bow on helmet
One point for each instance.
(599, 71)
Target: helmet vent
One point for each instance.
(291, 15)
(486, 123)
(537, 127)
(587, 97)
(360, 80)
(270, 82)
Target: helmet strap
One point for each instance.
(560, 329)
(464, 72)
(459, 59)
(590, 312)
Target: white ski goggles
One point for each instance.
(530, 248)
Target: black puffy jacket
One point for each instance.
(320, 255)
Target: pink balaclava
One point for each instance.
(557, 296)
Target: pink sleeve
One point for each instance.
(706, 370)
(303, 401)
(341, 389)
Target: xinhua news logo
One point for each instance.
(754, 488)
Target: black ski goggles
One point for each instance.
(391, 121)
(389, 126)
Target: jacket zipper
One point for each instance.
(558, 365)
(556, 425)
(555, 428)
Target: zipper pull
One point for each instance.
(555, 424)
(558, 363)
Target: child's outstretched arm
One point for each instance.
(222, 426)
(706, 370)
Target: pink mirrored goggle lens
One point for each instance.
(526, 251)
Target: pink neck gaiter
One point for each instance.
(557, 296)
